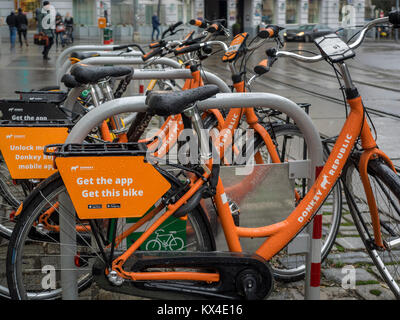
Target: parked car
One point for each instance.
(306, 32)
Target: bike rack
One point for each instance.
(64, 55)
(120, 60)
(137, 104)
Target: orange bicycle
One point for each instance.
(198, 270)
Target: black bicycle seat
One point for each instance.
(84, 73)
(166, 103)
(84, 55)
(69, 81)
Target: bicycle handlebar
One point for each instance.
(151, 53)
(394, 18)
(125, 46)
(171, 29)
(270, 31)
(197, 46)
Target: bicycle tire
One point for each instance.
(23, 238)
(287, 274)
(386, 187)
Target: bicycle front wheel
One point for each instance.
(33, 257)
(386, 188)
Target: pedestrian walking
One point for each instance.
(46, 21)
(22, 26)
(60, 30)
(12, 25)
(156, 26)
(69, 25)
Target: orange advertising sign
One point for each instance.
(102, 22)
(111, 186)
(22, 149)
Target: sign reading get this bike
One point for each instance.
(111, 186)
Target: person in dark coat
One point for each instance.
(156, 26)
(12, 25)
(22, 26)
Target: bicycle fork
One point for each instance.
(370, 152)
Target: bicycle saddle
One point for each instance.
(69, 81)
(84, 55)
(84, 73)
(166, 103)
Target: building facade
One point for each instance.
(129, 17)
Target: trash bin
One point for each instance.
(108, 39)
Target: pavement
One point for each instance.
(375, 70)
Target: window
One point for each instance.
(268, 11)
(313, 11)
(84, 12)
(292, 10)
(122, 12)
(150, 9)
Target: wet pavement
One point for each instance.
(375, 72)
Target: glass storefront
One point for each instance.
(376, 8)
(292, 11)
(84, 13)
(314, 8)
(268, 11)
(29, 8)
(122, 12)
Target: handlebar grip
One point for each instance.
(394, 17)
(270, 31)
(198, 23)
(121, 47)
(213, 28)
(134, 45)
(154, 45)
(151, 54)
(176, 25)
(193, 40)
(187, 49)
(262, 67)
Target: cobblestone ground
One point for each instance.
(347, 255)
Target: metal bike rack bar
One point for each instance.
(222, 100)
(69, 50)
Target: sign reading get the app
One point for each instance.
(111, 186)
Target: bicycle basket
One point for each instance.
(43, 96)
(21, 110)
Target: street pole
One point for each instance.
(135, 20)
(396, 31)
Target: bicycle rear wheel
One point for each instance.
(386, 188)
(33, 257)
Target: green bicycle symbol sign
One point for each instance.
(165, 241)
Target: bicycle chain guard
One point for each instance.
(236, 272)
